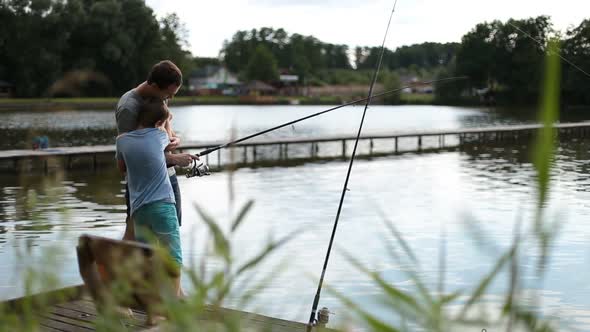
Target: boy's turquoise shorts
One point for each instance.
(159, 219)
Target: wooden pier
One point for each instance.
(124, 287)
(72, 310)
(270, 150)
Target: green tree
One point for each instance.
(262, 65)
(476, 55)
(44, 44)
(390, 82)
(576, 48)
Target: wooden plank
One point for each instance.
(75, 323)
(88, 308)
(47, 329)
(61, 326)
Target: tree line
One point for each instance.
(104, 47)
(506, 59)
(259, 53)
(84, 47)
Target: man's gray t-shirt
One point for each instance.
(127, 111)
(142, 151)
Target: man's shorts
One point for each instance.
(175, 189)
(159, 220)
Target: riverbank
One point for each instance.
(57, 104)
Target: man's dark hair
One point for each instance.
(164, 74)
(151, 112)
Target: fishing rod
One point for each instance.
(202, 169)
(541, 44)
(316, 300)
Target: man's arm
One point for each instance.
(174, 140)
(122, 166)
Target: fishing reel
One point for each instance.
(197, 169)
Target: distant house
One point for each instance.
(213, 80)
(416, 85)
(288, 84)
(6, 89)
(258, 92)
(258, 88)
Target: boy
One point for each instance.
(140, 153)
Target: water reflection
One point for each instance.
(211, 123)
(494, 184)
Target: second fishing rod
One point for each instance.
(198, 170)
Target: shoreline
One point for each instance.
(109, 103)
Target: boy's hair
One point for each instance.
(151, 112)
(164, 74)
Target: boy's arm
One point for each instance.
(177, 159)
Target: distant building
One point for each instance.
(288, 84)
(213, 80)
(258, 92)
(258, 88)
(6, 89)
(416, 85)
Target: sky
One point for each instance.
(357, 23)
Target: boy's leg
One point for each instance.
(161, 220)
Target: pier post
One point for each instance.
(419, 142)
(245, 154)
(254, 153)
(370, 147)
(343, 148)
(219, 158)
(396, 145)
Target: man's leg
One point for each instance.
(176, 189)
(129, 229)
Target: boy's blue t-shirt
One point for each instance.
(142, 151)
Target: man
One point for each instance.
(163, 82)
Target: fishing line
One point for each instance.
(312, 318)
(381, 94)
(543, 46)
(205, 170)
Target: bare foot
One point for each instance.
(125, 312)
(153, 320)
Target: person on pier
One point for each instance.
(141, 155)
(163, 82)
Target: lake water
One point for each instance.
(451, 192)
